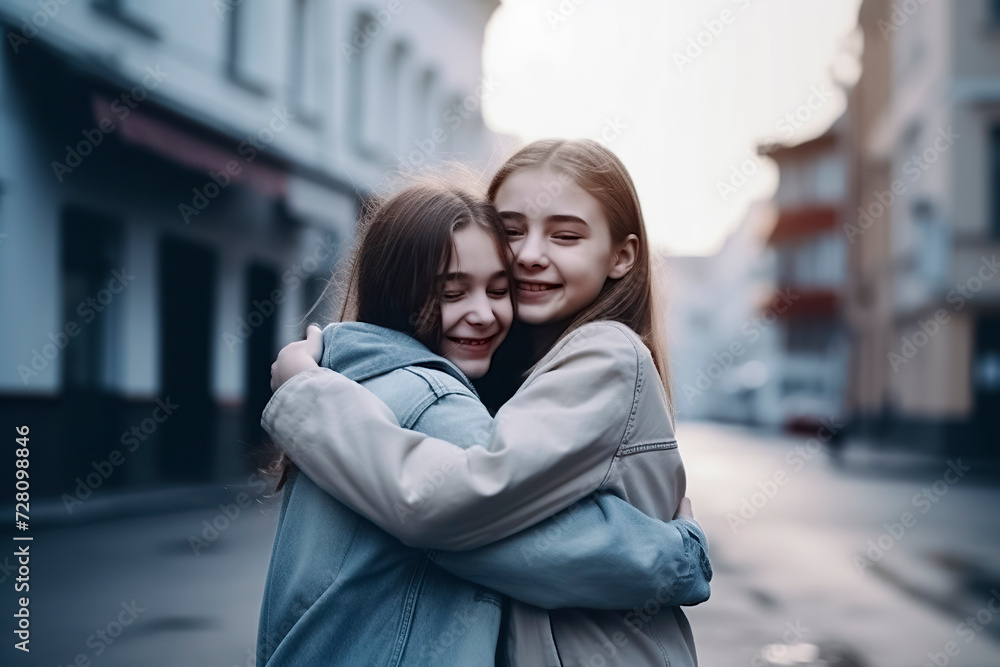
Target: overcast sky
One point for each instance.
(683, 91)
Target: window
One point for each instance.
(360, 132)
(247, 57)
(809, 336)
(304, 77)
(458, 122)
(422, 114)
(392, 113)
(785, 264)
(91, 253)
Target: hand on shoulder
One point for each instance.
(297, 357)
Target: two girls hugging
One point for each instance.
(548, 526)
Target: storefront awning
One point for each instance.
(181, 146)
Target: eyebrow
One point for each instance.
(514, 215)
(465, 276)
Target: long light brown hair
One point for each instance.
(634, 299)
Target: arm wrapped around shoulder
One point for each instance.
(553, 444)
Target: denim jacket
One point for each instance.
(599, 552)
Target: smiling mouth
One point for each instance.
(473, 342)
(536, 287)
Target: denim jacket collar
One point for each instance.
(361, 351)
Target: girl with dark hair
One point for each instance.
(427, 305)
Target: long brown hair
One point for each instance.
(634, 299)
(397, 271)
(396, 276)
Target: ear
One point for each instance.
(628, 252)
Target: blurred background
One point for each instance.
(178, 181)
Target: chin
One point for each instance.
(473, 370)
(542, 319)
(530, 315)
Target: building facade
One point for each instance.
(924, 227)
(177, 182)
(810, 264)
(723, 342)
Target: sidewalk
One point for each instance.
(949, 572)
(865, 457)
(791, 577)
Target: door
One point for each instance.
(262, 316)
(187, 303)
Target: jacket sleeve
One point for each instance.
(553, 443)
(599, 553)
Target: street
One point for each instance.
(793, 568)
(794, 574)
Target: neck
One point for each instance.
(544, 336)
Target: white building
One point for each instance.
(722, 342)
(177, 180)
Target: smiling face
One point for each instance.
(562, 244)
(476, 309)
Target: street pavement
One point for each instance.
(789, 534)
(795, 575)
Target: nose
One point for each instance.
(480, 311)
(531, 252)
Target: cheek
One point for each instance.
(583, 268)
(504, 312)
(448, 316)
